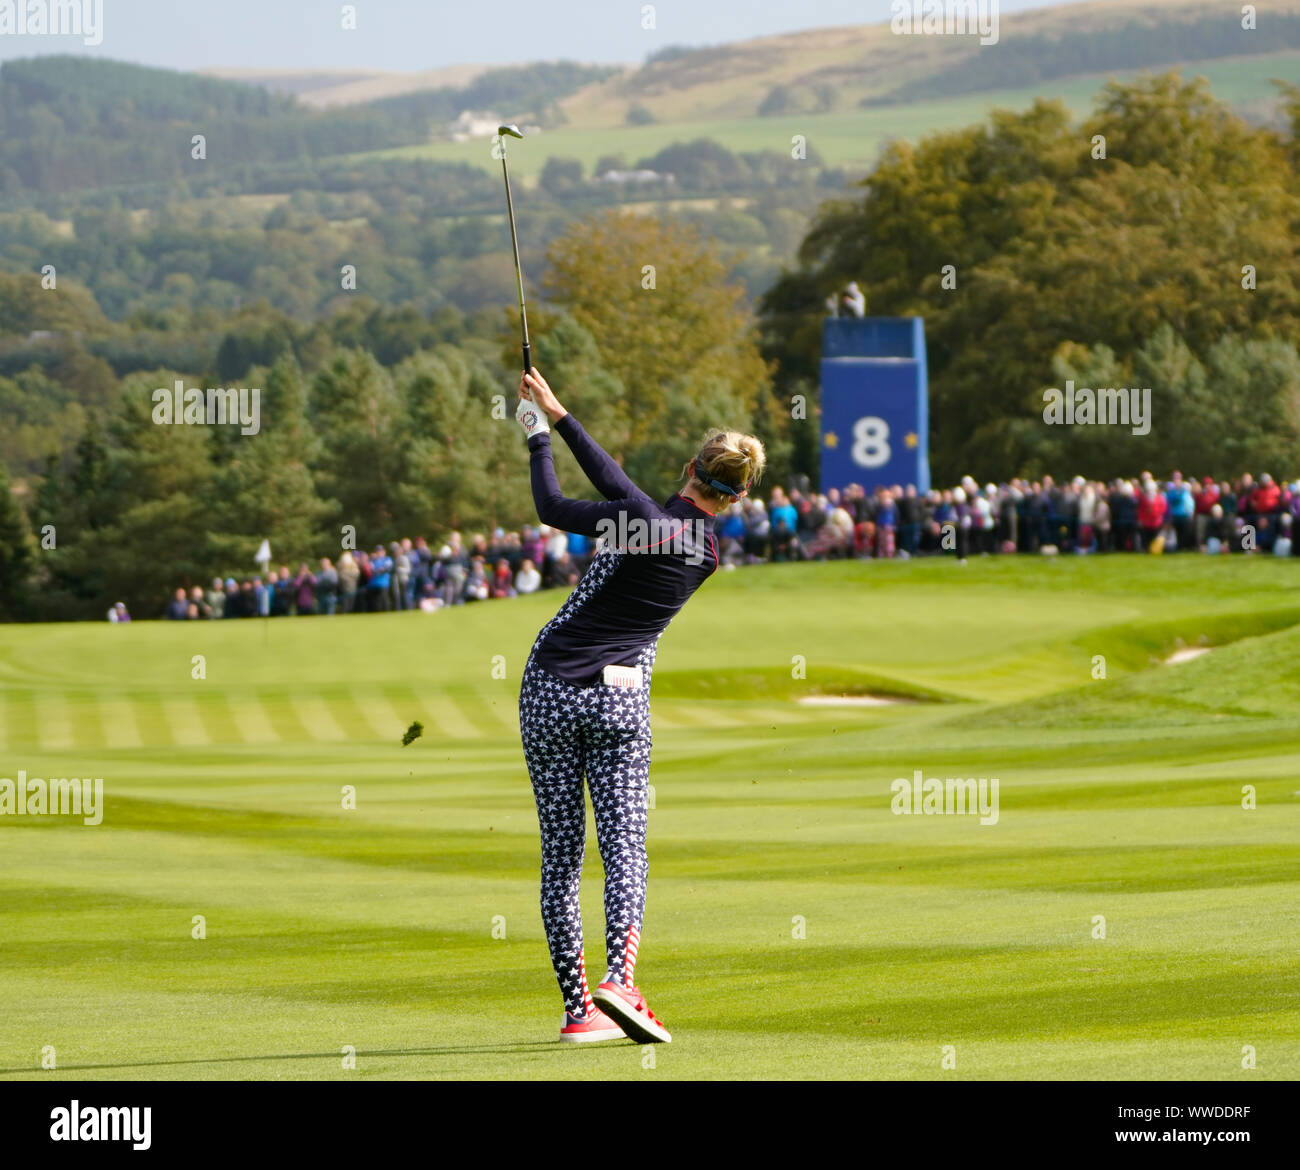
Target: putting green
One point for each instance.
(796, 926)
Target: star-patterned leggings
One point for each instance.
(603, 733)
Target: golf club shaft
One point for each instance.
(519, 272)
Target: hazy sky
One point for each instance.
(425, 34)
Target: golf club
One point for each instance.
(502, 133)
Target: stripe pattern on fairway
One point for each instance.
(121, 720)
(49, 720)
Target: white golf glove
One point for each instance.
(532, 418)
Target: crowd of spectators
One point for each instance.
(406, 575)
(1141, 514)
(1081, 516)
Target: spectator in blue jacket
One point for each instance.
(381, 575)
(731, 535)
(577, 545)
(784, 525)
(1182, 511)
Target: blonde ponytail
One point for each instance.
(730, 457)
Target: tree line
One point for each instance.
(377, 424)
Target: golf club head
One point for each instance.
(511, 130)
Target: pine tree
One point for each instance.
(265, 488)
(17, 553)
(155, 534)
(362, 444)
(467, 465)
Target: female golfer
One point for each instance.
(584, 701)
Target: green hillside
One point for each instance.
(850, 138)
(824, 70)
(71, 125)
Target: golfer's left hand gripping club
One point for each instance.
(504, 132)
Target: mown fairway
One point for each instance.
(374, 928)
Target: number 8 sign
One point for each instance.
(874, 408)
(871, 442)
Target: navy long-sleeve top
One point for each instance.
(650, 560)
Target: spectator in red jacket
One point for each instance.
(1265, 503)
(1152, 507)
(1264, 499)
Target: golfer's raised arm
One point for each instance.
(559, 511)
(606, 476)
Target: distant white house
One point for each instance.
(625, 177)
(478, 124)
(471, 124)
